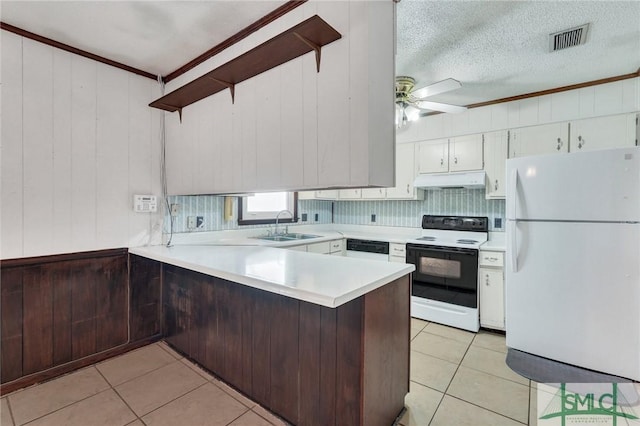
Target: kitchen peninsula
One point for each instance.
(316, 339)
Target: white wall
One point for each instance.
(78, 140)
(605, 99)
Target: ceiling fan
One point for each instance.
(410, 102)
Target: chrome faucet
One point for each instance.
(278, 217)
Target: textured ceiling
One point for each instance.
(496, 49)
(154, 36)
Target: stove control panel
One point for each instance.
(456, 223)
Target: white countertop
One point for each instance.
(321, 279)
(496, 242)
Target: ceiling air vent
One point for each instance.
(568, 38)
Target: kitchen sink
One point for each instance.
(287, 237)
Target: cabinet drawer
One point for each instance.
(336, 246)
(322, 247)
(491, 258)
(396, 249)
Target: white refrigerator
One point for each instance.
(573, 259)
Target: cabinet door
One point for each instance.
(432, 156)
(350, 194)
(374, 193)
(465, 153)
(327, 194)
(491, 297)
(536, 140)
(323, 247)
(615, 131)
(495, 157)
(405, 174)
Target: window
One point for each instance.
(263, 208)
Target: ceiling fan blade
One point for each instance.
(438, 106)
(436, 88)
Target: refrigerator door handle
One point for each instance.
(513, 195)
(514, 245)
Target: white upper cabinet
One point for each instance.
(614, 131)
(292, 127)
(457, 154)
(405, 175)
(465, 153)
(374, 193)
(495, 157)
(350, 194)
(432, 156)
(536, 140)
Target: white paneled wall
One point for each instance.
(605, 99)
(78, 140)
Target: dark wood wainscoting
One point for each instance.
(309, 364)
(63, 312)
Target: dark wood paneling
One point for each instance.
(37, 350)
(349, 362)
(62, 343)
(284, 358)
(308, 361)
(145, 290)
(50, 310)
(386, 325)
(11, 323)
(263, 303)
(308, 364)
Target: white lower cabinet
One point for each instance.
(491, 288)
(397, 253)
(333, 247)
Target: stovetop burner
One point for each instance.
(463, 241)
(427, 238)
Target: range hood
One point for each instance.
(451, 180)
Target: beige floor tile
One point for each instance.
(5, 414)
(440, 347)
(164, 345)
(207, 405)
(450, 332)
(454, 412)
(432, 372)
(418, 323)
(488, 340)
(103, 409)
(491, 392)
(134, 364)
(250, 419)
(234, 393)
(197, 369)
(491, 362)
(42, 399)
(421, 404)
(414, 333)
(269, 416)
(146, 393)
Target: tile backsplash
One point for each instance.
(459, 202)
(211, 208)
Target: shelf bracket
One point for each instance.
(231, 86)
(317, 48)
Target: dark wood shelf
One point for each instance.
(307, 36)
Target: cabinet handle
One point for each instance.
(581, 142)
(559, 144)
(442, 161)
(407, 188)
(496, 185)
(455, 160)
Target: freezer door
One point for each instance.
(573, 294)
(591, 186)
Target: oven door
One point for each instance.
(447, 274)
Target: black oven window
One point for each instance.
(440, 267)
